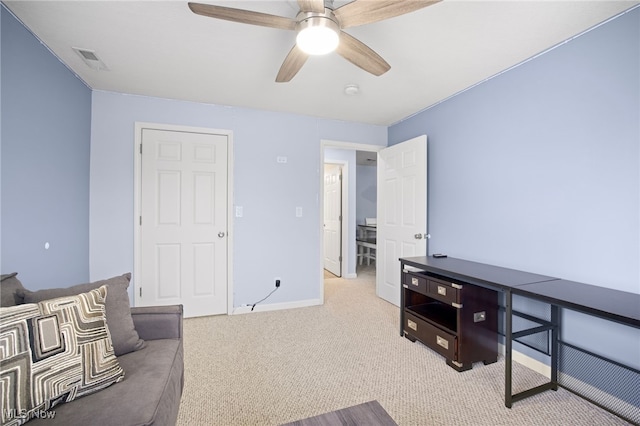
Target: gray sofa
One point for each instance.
(154, 372)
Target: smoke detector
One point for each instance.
(351, 89)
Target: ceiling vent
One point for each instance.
(91, 59)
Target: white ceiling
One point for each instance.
(162, 49)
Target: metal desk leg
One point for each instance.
(555, 331)
(402, 301)
(508, 324)
(509, 397)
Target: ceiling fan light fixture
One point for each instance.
(318, 35)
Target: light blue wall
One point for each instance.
(46, 177)
(367, 195)
(538, 169)
(1, 12)
(45, 163)
(268, 241)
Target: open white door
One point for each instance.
(402, 212)
(333, 218)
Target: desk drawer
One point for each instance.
(440, 341)
(444, 291)
(415, 282)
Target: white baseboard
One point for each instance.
(276, 306)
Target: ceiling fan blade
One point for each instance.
(243, 16)
(361, 12)
(359, 54)
(291, 65)
(316, 6)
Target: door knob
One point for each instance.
(220, 234)
(418, 236)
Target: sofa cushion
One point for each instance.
(123, 333)
(53, 352)
(11, 290)
(149, 394)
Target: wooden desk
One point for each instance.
(613, 305)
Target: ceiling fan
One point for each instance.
(319, 28)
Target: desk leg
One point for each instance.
(508, 325)
(555, 336)
(402, 302)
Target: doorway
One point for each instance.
(344, 153)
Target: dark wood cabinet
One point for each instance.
(456, 319)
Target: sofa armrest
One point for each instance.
(158, 322)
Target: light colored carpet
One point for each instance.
(269, 368)
(329, 275)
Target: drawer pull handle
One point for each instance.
(414, 281)
(442, 290)
(479, 316)
(442, 342)
(412, 325)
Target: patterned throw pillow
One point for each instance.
(52, 352)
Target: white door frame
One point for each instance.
(332, 144)
(137, 178)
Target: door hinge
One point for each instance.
(140, 220)
(140, 148)
(339, 258)
(140, 291)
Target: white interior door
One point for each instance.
(183, 235)
(402, 212)
(333, 218)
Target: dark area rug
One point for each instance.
(370, 414)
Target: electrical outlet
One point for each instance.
(277, 280)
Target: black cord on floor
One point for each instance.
(265, 298)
